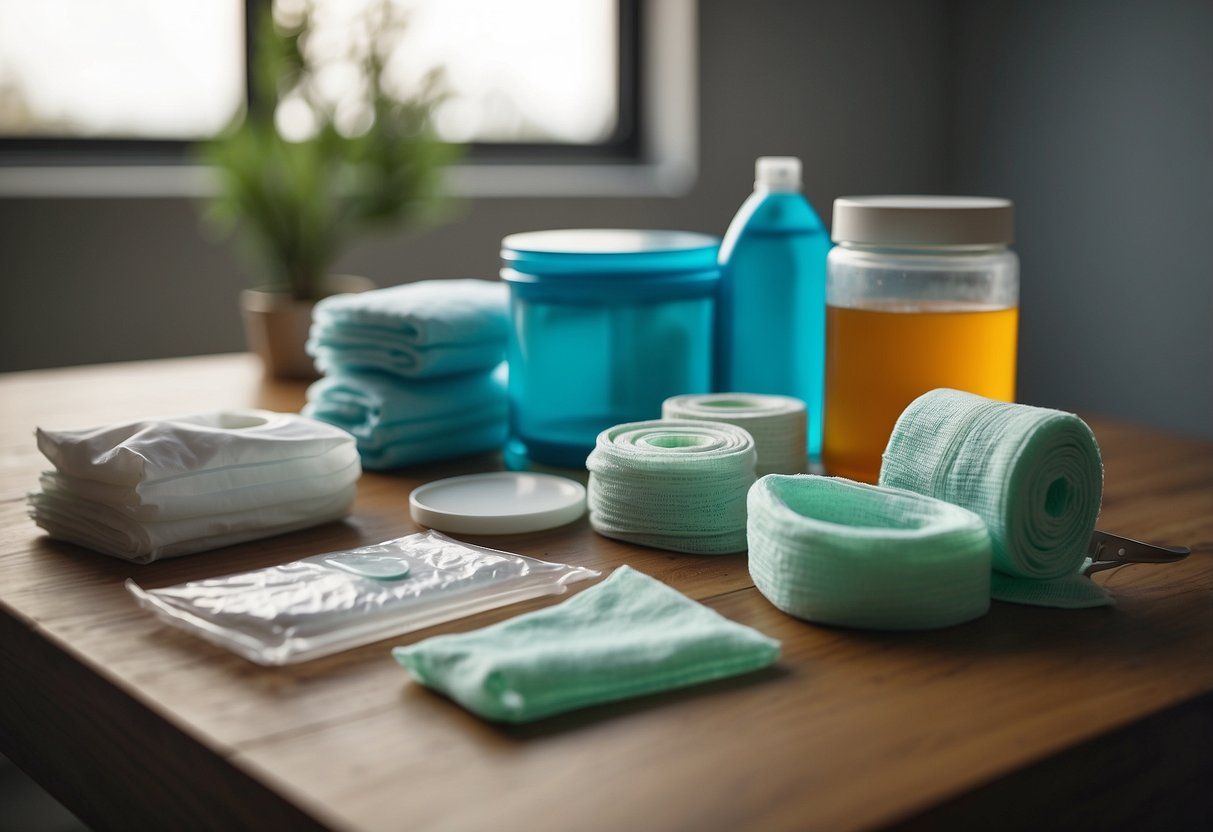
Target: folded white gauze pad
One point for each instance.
(158, 488)
(214, 492)
(137, 453)
(104, 530)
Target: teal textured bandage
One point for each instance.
(835, 551)
(678, 485)
(1071, 592)
(1033, 475)
(777, 424)
(628, 636)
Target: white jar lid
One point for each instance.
(503, 502)
(923, 220)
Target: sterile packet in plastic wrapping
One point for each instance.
(338, 600)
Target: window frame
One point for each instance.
(666, 134)
(622, 145)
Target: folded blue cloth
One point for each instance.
(399, 422)
(416, 330)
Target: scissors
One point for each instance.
(1108, 551)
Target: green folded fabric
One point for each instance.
(1072, 592)
(628, 636)
(1033, 475)
(834, 551)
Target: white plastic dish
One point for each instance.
(502, 502)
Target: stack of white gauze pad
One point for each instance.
(777, 423)
(161, 488)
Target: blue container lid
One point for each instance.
(578, 252)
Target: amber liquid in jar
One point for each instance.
(881, 357)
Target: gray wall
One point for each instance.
(1094, 117)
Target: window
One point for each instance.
(524, 72)
(531, 82)
(75, 73)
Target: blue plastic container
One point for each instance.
(607, 324)
(770, 330)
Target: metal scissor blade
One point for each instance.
(1109, 551)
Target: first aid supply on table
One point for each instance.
(777, 424)
(628, 636)
(160, 488)
(677, 485)
(923, 293)
(417, 330)
(339, 600)
(607, 324)
(1033, 475)
(401, 422)
(835, 551)
(770, 324)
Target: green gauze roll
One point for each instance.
(777, 424)
(1033, 475)
(678, 485)
(840, 552)
(628, 636)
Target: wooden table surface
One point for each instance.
(1026, 718)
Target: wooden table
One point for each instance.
(1027, 717)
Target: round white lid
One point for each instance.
(502, 502)
(923, 220)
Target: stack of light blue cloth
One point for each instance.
(428, 329)
(414, 372)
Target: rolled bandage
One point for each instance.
(834, 551)
(1033, 475)
(777, 423)
(678, 485)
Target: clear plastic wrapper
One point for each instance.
(339, 600)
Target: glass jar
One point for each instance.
(922, 292)
(607, 324)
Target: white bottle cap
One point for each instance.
(923, 220)
(777, 173)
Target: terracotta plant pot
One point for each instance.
(276, 326)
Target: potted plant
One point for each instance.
(368, 161)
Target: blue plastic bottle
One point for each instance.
(770, 317)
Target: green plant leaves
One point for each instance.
(299, 204)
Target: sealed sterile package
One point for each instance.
(335, 601)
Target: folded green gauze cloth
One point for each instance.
(628, 636)
(1033, 475)
(678, 485)
(840, 552)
